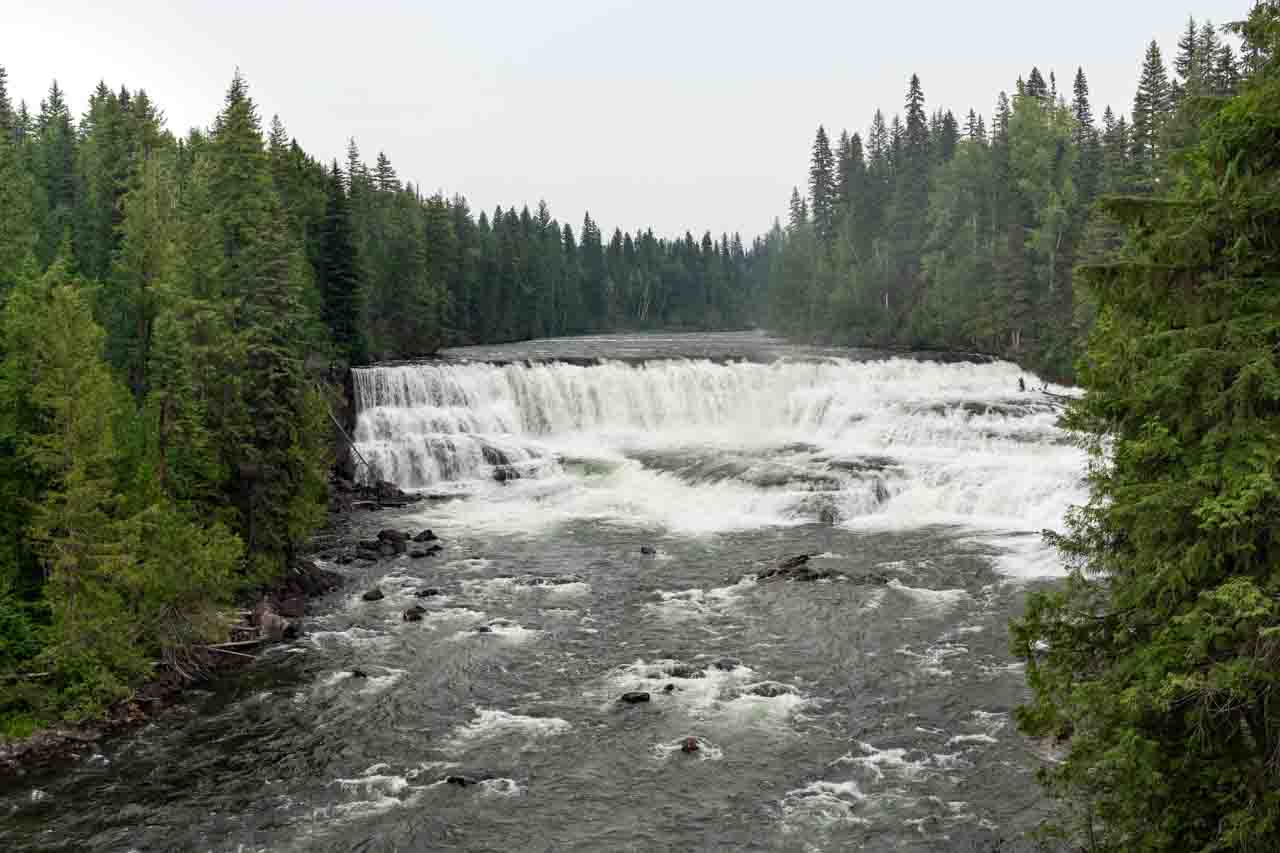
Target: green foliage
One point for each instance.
(1159, 657)
(941, 241)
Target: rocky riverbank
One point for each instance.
(272, 614)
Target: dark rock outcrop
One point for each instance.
(690, 744)
(635, 697)
(648, 550)
(796, 568)
(374, 594)
(414, 613)
(770, 689)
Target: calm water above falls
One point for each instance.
(867, 713)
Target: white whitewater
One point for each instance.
(698, 446)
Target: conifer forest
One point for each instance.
(181, 310)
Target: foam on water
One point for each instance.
(696, 447)
(824, 803)
(492, 724)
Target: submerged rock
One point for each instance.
(684, 670)
(482, 629)
(462, 781)
(413, 614)
(648, 550)
(770, 689)
(635, 697)
(796, 568)
(421, 553)
(670, 688)
(373, 545)
(429, 592)
(426, 536)
(374, 594)
(390, 535)
(359, 673)
(727, 664)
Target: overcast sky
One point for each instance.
(675, 114)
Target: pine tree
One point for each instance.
(7, 118)
(384, 176)
(1035, 86)
(1155, 662)
(822, 188)
(1081, 108)
(338, 274)
(247, 285)
(55, 165)
(799, 210)
(1185, 63)
(1151, 109)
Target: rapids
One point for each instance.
(835, 715)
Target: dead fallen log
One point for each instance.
(237, 644)
(223, 651)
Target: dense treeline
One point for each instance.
(1156, 664)
(169, 311)
(944, 232)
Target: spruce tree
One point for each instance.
(1035, 86)
(822, 187)
(338, 274)
(1155, 662)
(1151, 109)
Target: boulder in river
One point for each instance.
(482, 629)
(374, 594)
(648, 550)
(359, 673)
(390, 535)
(690, 744)
(421, 553)
(414, 613)
(426, 536)
(463, 781)
(684, 670)
(372, 545)
(796, 568)
(429, 592)
(635, 697)
(770, 689)
(727, 664)
(670, 688)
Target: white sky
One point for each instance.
(675, 114)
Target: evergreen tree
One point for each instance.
(1151, 109)
(1156, 660)
(822, 187)
(338, 273)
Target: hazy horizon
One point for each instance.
(659, 115)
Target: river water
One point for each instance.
(872, 711)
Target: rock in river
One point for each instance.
(425, 536)
(374, 594)
(635, 697)
(413, 614)
(429, 592)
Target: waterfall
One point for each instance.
(828, 439)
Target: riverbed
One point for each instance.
(605, 507)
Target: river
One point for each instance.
(868, 711)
